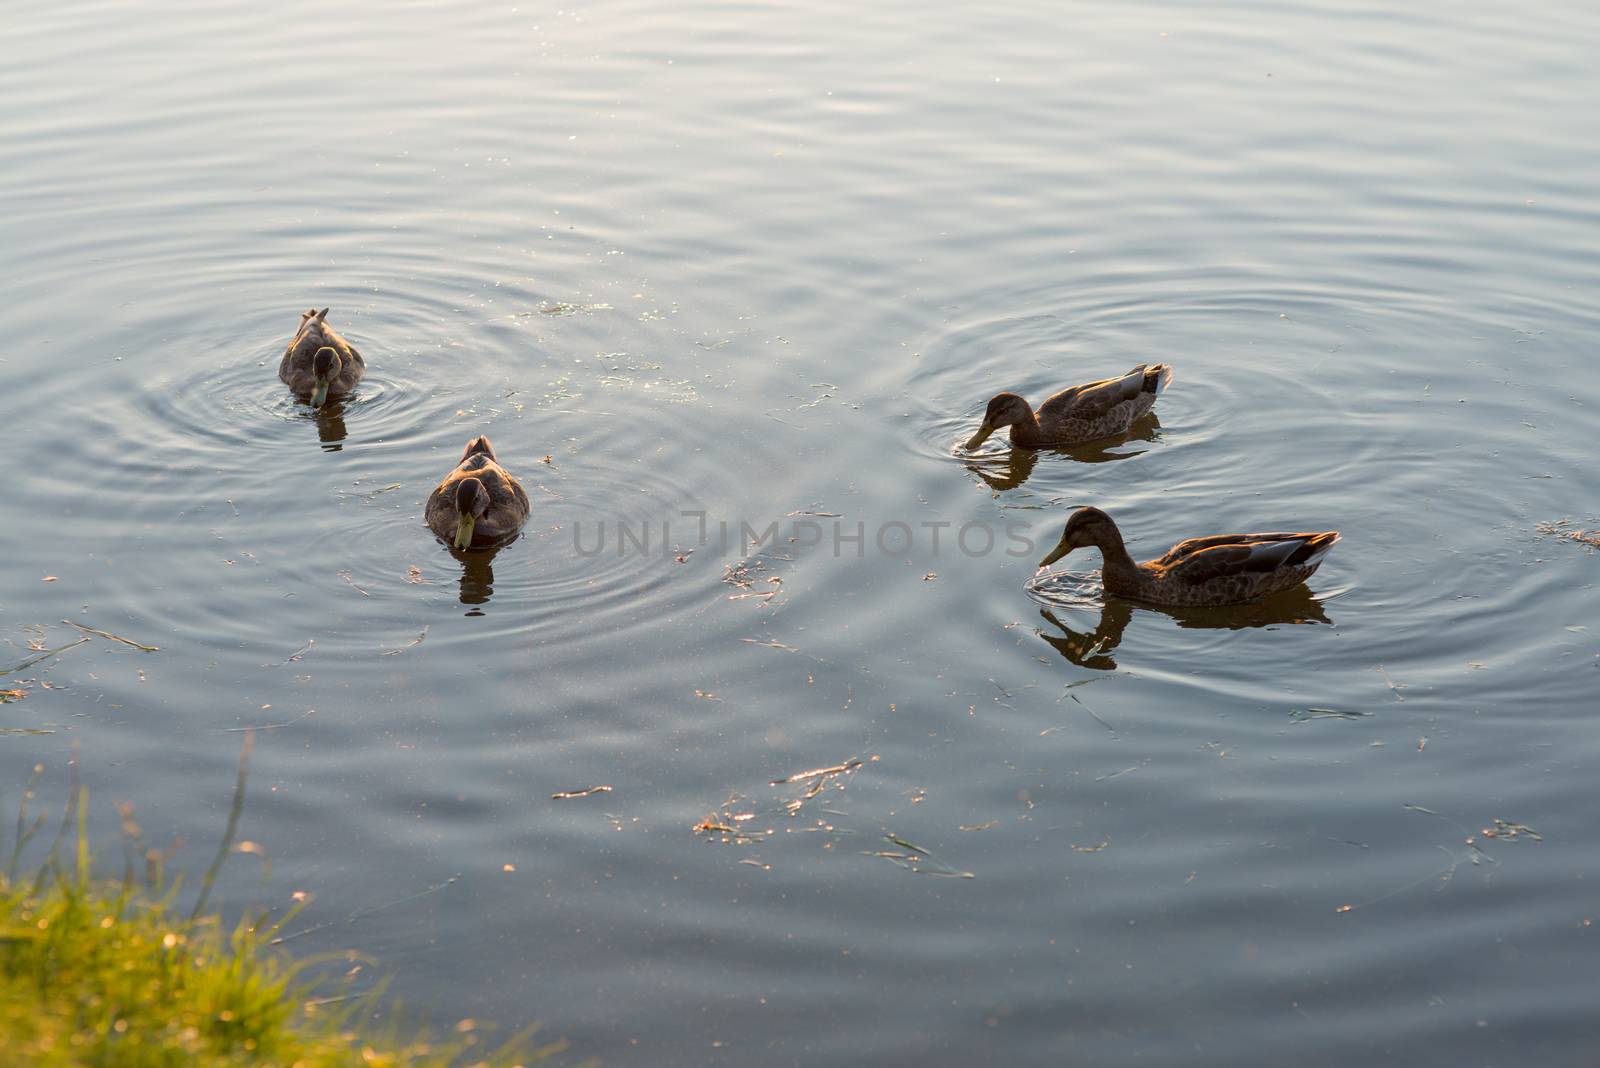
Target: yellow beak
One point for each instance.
(464, 525)
(319, 395)
(981, 436)
(1061, 549)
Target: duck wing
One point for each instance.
(1093, 399)
(508, 501)
(1200, 560)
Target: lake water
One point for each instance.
(747, 264)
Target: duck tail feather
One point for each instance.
(479, 444)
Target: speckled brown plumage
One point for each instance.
(508, 503)
(1219, 570)
(295, 369)
(1083, 413)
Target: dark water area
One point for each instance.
(707, 271)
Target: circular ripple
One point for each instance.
(593, 555)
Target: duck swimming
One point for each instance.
(318, 362)
(480, 503)
(1223, 569)
(1082, 413)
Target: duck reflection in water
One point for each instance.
(330, 425)
(1010, 469)
(1093, 649)
(477, 576)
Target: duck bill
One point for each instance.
(464, 526)
(1055, 554)
(319, 395)
(981, 436)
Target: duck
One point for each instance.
(1224, 569)
(480, 503)
(318, 362)
(1083, 413)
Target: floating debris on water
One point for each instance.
(350, 579)
(838, 769)
(413, 642)
(374, 493)
(748, 578)
(1506, 831)
(1564, 528)
(563, 307)
(732, 824)
(562, 795)
(1394, 687)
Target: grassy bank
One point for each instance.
(115, 973)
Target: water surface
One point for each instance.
(761, 263)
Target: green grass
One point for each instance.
(114, 973)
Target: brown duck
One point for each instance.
(1220, 570)
(318, 362)
(480, 503)
(1082, 413)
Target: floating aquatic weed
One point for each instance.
(771, 644)
(1307, 715)
(271, 726)
(1474, 854)
(8, 696)
(737, 812)
(44, 654)
(1081, 704)
(113, 637)
(916, 859)
(370, 910)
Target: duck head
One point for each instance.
(1006, 409)
(1086, 527)
(472, 500)
(325, 365)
